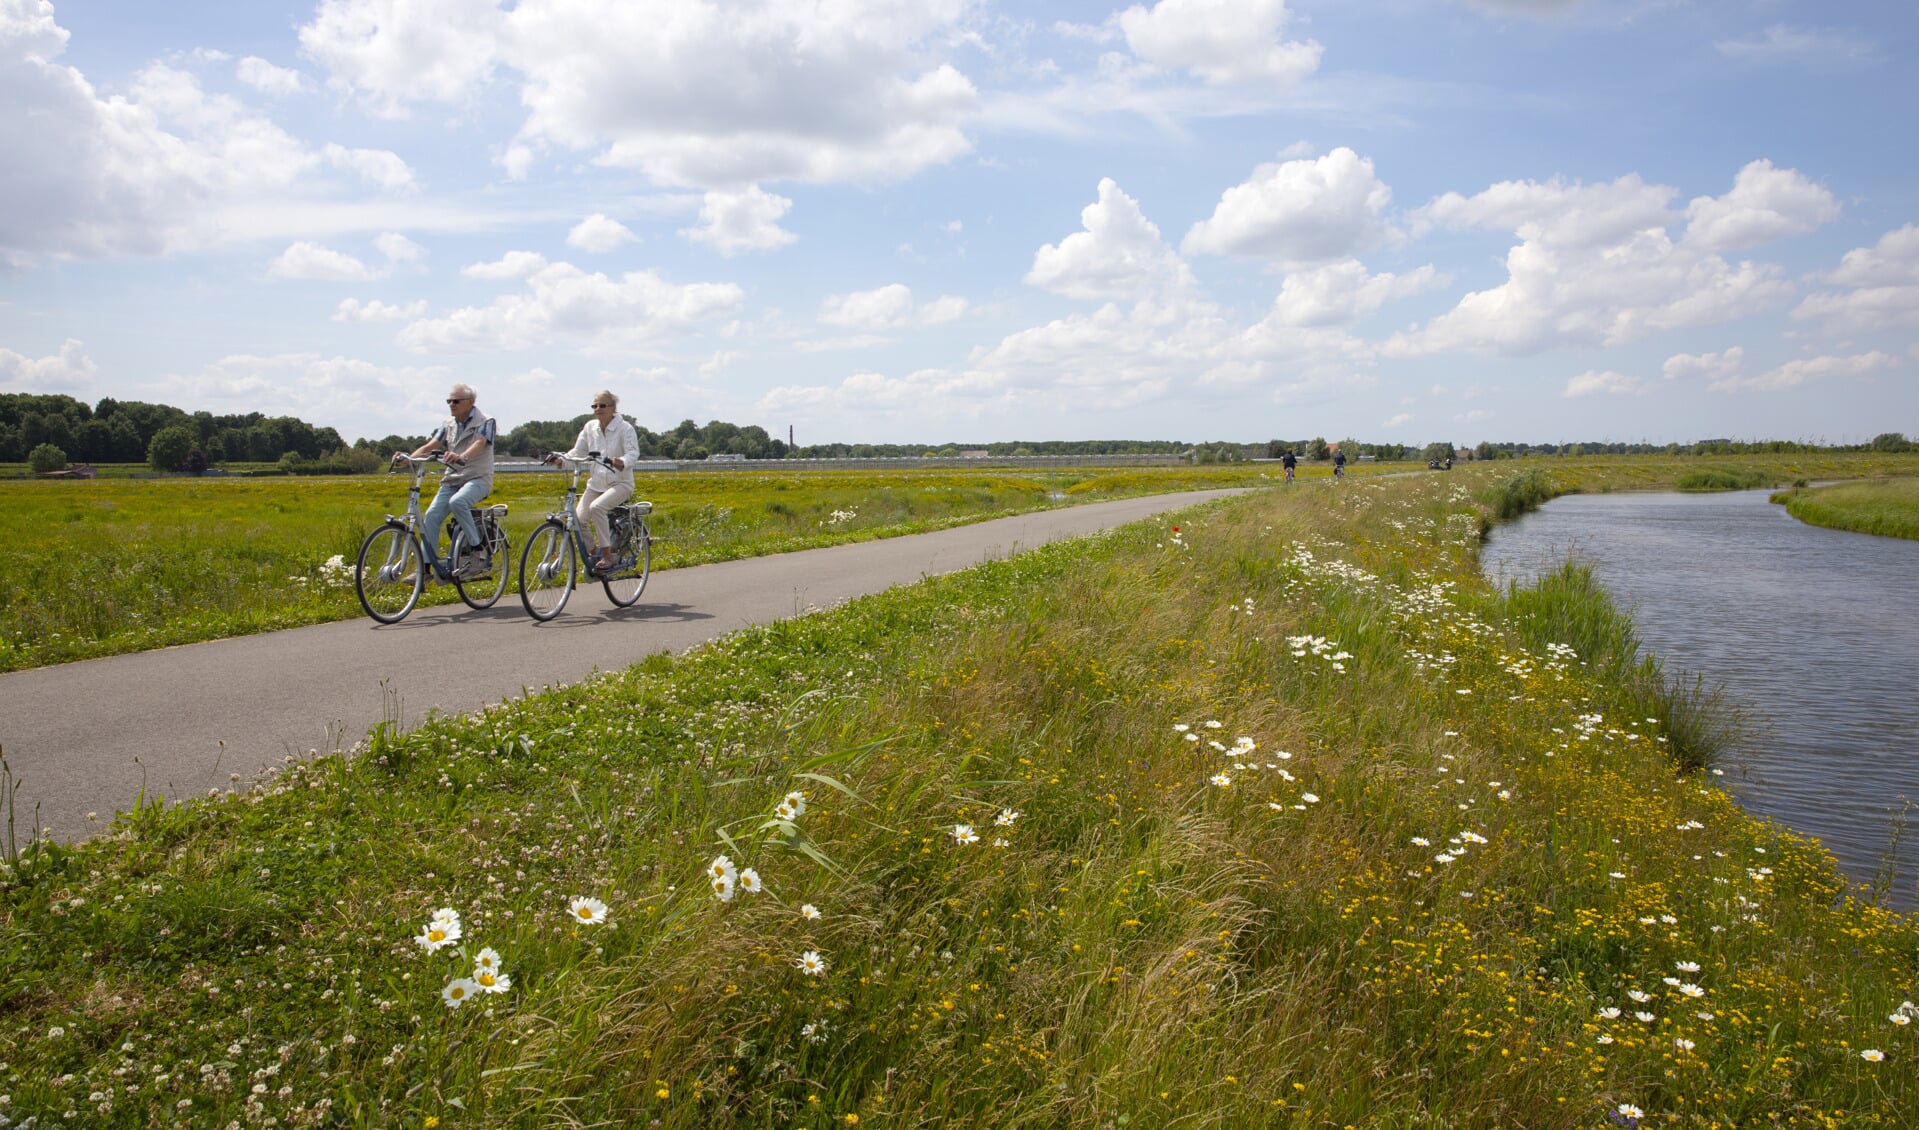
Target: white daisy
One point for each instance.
(964, 834)
(811, 963)
(750, 881)
(457, 991)
(587, 911)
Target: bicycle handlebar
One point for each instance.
(589, 457)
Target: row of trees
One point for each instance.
(687, 440)
(133, 431)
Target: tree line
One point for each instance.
(62, 429)
(50, 430)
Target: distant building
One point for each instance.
(976, 453)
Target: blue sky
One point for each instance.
(952, 220)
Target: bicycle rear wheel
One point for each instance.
(625, 584)
(547, 570)
(389, 576)
(482, 592)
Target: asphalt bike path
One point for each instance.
(85, 738)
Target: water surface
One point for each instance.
(1815, 631)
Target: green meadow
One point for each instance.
(109, 566)
(1284, 817)
(1887, 507)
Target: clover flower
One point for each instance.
(588, 911)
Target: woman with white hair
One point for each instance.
(611, 482)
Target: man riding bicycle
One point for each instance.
(467, 438)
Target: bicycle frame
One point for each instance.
(414, 519)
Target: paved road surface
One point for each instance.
(195, 714)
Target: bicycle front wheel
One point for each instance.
(389, 575)
(482, 592)
(547, 567)
(624, 585)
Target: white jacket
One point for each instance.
(617, 440)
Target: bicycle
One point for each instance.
(390, 573)
(549, 564)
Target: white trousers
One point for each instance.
(595, 505)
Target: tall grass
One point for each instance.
(1886, 507)
(1302, 825)
(1725, 478)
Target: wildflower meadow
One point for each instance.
(1272, 815)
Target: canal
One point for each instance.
(1815, 632)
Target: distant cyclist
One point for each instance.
(1290, 462)
(611, 483)
(1339, 464)
(467, 439)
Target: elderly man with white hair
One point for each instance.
(467, 438)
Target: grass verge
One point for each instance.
(113, 566)
(1886, 507)
(1285, 818)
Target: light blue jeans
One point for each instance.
(460, 499)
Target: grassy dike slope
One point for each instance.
(1282, 818)
(1887, 507)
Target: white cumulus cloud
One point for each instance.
(398, 248)
(1594, 265)
(1222, 41)
(69, 370)
(733, 222)
(598, 234)
(268, 78)
(314, 261)
(512, 265)
(1765, 204)
(565, 305)
(1299, 211)
(1805, 370)
(879, 308)
(353, 310)
(688, 91)
(1710, 367)
(1880, 287)
(1341, 293)
(1119, 255)
(375, 166)
(1594, 382)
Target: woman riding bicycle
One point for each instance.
(612, 481)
